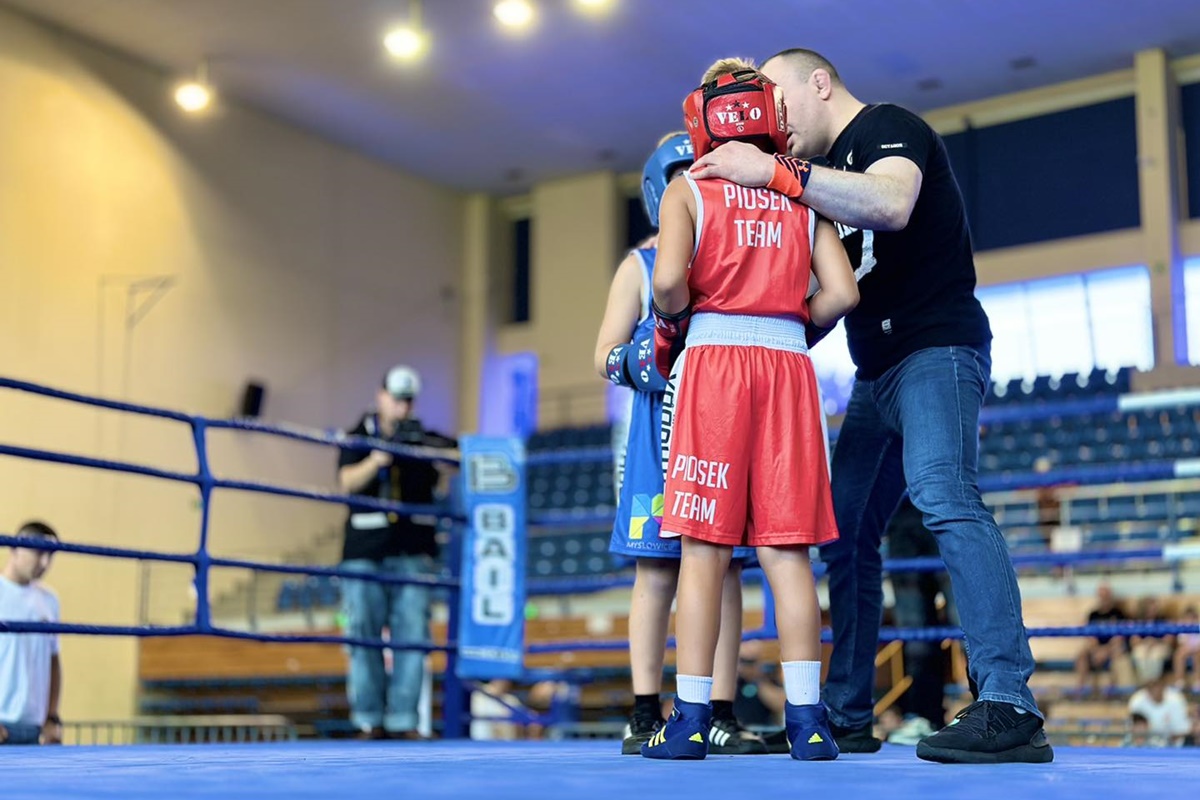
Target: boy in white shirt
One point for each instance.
(1165, 708)
(30, 674)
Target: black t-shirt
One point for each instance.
(1114, 614)
(916, 285)
(377, 535)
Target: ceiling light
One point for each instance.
(514, 13)
(195, 94)
(408, 41)
(193, 97)
(593, 5)
(405, 42)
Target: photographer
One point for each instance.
(387, 543)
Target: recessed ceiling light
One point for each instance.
(929, 84)
(514, 13)
(193, 97)
(405, 42)
(1024, 62)
(594, 5)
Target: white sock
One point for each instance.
(802, 682)
(694, 688)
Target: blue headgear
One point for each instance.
(670, 156)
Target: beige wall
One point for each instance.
(577, 231)
(291, 261)
(573, 227)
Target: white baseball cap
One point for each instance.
(402, 382)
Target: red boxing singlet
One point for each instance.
(753, 251)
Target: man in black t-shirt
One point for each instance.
(1100, 652)
(381, 542)
(921, 344)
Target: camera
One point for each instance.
(408, 431)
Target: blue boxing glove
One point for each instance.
(632, 365)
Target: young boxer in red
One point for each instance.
(744, 443)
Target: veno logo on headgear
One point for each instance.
(740, 105)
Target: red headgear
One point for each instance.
(741, 105)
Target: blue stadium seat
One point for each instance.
(1121, 508)
(1084, 510)
(1153, 506)
(1188, 504)
(286, 601)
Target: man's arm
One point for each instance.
(52, 729)
(1179, 723)
(353, 477)
(880, 199)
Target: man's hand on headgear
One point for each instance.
(739, 162)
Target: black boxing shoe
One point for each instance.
(728, 737)
(987, 732)
(639, 730)
(855, 740)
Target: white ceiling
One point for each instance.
(490, 109)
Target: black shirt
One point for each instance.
(407, 480)
(1114, 614)
(916, 285)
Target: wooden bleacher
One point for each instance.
(305, 681)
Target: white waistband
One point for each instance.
(777, 333)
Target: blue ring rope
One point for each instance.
(888, 634)
(558, 586)
(206, 482)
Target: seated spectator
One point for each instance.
(556, 703)
(1139, 732)
(496, 713)
(1101, 653)
(1187, 649)
(922, 706)
(1151, 654)
(759, 701)
(1165, 710)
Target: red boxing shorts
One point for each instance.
(745, 452)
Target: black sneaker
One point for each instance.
(727, 737)
(855, 740)
(639, 730)
(777, 743)
(989, 733)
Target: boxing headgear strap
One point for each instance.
(739, 106)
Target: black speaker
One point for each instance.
(252, 399)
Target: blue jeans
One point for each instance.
(22, 733)
(377, 701)
(918, 425)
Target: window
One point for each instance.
(835, 370)
(1072, 323)
(1050, 326)
(1191, 293)
(521, 260)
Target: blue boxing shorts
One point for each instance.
(640, 487)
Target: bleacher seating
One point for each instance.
(583, 485)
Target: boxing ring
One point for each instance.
(457, 767)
